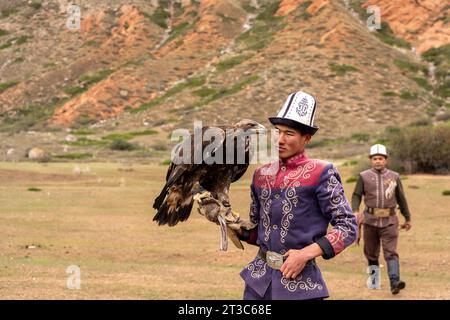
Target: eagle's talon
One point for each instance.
(236, 215)
(199, 197)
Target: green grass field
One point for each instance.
(101, 220)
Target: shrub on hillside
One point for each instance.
(421, 149)
(122, 145)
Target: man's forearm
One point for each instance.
(357, 194)
(401, 201)
(312, 251)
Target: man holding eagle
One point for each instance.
(291, 209)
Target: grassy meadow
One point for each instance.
(98, 216)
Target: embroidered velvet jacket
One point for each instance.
(293, 206)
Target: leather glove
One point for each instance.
(211, 208)
(236, 231)
(208, 206)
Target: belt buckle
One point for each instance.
(381, 213)
(274, 260)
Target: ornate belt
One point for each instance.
(275, 260)
(381, 212)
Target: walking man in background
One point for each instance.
(383, 191)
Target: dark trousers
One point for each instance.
(386, 236)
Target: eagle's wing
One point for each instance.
(228, 172)
(239, 171)
(174, 203)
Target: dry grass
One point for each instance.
(102, 221)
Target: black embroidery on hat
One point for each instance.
(302, 107)
(289, 105)
(312, 115)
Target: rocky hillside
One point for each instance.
(141, 69)
(423, 23)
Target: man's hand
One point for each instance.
(297, 259)
(359, 220)
(359, 217)
(294, 264)
(407, 225)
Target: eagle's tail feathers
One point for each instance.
(181, 214)
(160, 199)
(161, 215)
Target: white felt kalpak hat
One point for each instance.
(298, 112)
(378, 149)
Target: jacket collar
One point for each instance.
(379, 172)
(294, 160)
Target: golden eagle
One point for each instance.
(225, 153)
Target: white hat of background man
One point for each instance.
(378, 149)
(298, 112)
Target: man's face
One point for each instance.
(378, 162)
(290, 141)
